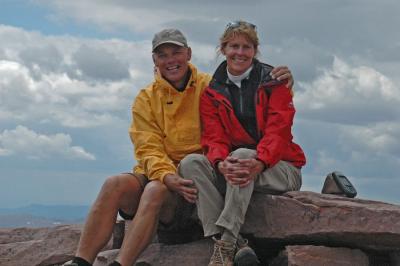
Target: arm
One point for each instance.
(214, 140)
(277, 131)
(147, 138)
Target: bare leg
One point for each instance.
(143, 226)
(118, 191)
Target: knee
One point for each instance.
(112, 184)
(244, 153)
(154, 195)
(187, 163)
(118, 184)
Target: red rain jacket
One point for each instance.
(222, 132)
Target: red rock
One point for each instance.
(319, 255)
(50, 246)
(308, 217)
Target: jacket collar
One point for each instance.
(259, 76)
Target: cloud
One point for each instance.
(69, 81)
(100, 64)
(381, 139)
(349, 95)
(348, 118)
(346, 71)
(24, 142)
(110, 15)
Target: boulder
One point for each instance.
(307, 217)
(195, 253)
(104, 258)
(305, 225)
(319, 255)
(39, 246)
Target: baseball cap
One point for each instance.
(169, 36)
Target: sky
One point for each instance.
(70, 70)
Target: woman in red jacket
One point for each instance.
(246, 117)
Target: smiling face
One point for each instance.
(239, 52)
(173, 62)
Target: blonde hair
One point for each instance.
(236, 28)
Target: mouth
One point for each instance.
(173, 68)
(240, 60)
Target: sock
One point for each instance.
(115, 263)
(81, 262)
(228, 236)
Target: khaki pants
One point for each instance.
(220, 205)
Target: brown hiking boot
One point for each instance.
(224, 252)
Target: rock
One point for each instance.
(307, 217)
(104, 258)
(196, 253)
(319, 255)
(306, 225)
(43, 246)
(118, 234)
(21, 234)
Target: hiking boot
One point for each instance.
(224, 252)
(245, 256)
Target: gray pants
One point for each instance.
(218, 212)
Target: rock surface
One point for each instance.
(196, 253)
(308, 217)
(298, 223)
(319, 255)
(38, 246)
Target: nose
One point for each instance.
(240, 50)
(169, 59)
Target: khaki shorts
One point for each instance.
(178, 222)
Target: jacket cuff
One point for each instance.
(265, 164)
(160, 175)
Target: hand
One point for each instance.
(282, 73)
(184, 187)
(233, 172)
(254, 167)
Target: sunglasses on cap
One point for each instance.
(236, 24)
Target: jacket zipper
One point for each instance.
(241, 100)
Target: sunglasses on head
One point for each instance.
(236, 24)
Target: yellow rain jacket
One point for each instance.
(166, 125)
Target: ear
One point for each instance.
(154, 59)
(189, 53)
(222, 50)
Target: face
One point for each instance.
(172, 62)
(239, 53)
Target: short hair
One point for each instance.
(237, 28)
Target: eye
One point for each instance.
(177, 52)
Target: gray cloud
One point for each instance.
(68, 81)
(350, 95)
(99, 64)
(344, 56)
(42, 59)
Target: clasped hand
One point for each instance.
(240, 171)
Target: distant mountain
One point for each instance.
(25, 220)
(37, 215)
